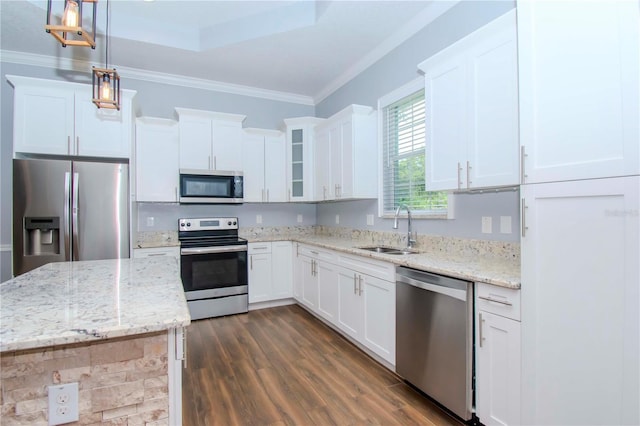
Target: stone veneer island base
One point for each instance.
(115, 327)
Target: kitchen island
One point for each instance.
(115, 327)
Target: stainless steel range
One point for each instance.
(213, 266)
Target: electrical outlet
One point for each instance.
(505, 224)
(299, 218)
(370, 219)
(337, 219)
(63, 403)
(486, 224)
(150, 221)
(258, 218)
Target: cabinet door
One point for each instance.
(101, 132)
(156, 252)
(309, 282)
(580, 302)
(275, 176)
(195, 143)
(282, 269)
(345, 188)
(299, 269)
(322, 165)
(157, 164)
(578, 76)
(335, 162)
(497, 370)
(350, 305)
(254, 190)
(328, 291)
(493, 144)
(299, 163)
(259, 277)
(446, 106)
(43, 120)
(379, 332)
(227, 146)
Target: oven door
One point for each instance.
(217, 271)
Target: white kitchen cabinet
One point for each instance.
(309, 277)
(327, 290)
(350, 308)
(580, 302)
(579, 94)
(59, 118)
(157, 160)
(300, 164)
(270, 271)
(264, 166)
(471, 98)
(346, 154)
(173, 251)
(497, 352)
(210, 140)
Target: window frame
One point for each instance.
(384, 101)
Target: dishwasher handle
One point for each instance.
(435, 283)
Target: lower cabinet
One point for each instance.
(497, 355)
(270, 271)
(157, 252)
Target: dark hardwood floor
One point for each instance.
(282, 366)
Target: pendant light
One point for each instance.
(106, 81)
(70, 32)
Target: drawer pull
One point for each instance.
(489, 299)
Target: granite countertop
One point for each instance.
(72, 302)
(484, 267)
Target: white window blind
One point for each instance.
(403, 159)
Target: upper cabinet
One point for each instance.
(264, 164)
(157, 161)
(471, 98)
(210, 140)
(59, 118)
(346, 161)
(300, 148)
(578, 89)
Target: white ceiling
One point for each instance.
(302, 47)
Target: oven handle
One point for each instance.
(206, 250)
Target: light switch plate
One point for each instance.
(486, 224)
(505, 224)
(63, 403)
(258, 218)
(300, 218)
(370, 219)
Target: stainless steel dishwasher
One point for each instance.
(434, 337)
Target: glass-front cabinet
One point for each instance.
(300, 157)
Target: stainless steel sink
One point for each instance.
(388, 250)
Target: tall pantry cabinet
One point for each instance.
(578, 78)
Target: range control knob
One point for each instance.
(188, 223)
(235, 223)
(182, 224)
(229, 223)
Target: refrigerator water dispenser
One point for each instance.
(42, 235)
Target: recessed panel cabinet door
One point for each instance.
(328, 291)
(227, 146)
(101, 132)
(379, 331)
(578, 76)
(580, 302)
(157, 162)
(43, 120)
(350, 310)
(259, 277)
(195, 143)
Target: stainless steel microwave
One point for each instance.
(211, 187)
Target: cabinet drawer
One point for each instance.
(498, 300)
(259, 248)
(317, 253)
(365, 265)
(156, 252)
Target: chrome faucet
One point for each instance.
(410, 240)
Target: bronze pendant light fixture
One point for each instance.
(70, 32)
(106, 81)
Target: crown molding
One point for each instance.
(45, 61)
(428, 15)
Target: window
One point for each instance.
(403, 157)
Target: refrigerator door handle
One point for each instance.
(74, 216)
(67, 203)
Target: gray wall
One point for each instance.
(394, 70)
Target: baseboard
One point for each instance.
(271, 304)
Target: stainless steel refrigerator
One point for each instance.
(69, 210)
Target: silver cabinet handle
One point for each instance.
(267, 195)
(523, 155)
(459, 170)
(314, 252)
(77, 145)
(315, 268)
(215, 165)
(251, 263)
(359, 285)
(184, 348)
(262, 196)
(490, 299)
(355, 285)
(468, 175)
(324, 192)
(69, 145)
(523, 217)
(156, 254)
(176, 191)
(259, 248)
(209, 162)
(480, 321)
(289, 195)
